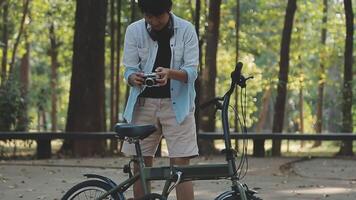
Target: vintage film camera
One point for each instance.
(150, 79)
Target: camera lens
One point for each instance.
(149, 82)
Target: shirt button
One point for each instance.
(174, 103)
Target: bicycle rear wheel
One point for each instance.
(231, 195)
(90, 190)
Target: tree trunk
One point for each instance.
(54, 75)
(197, 81)
(41, 118)
(113, 143)
(25, 70)
(41, 113)
(278, 117)
(207, 122)
(44, 120)
(237, 47)
(5, 38)
(17, 41)
(118, 62)
(112, 63)
(321, 82)
(347, 126)
(301, 108)
(22, 124)
(133, 18)
(259, 144)
(87, 92)
(118, 49)
(113, 105)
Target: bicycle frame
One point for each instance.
(177, 174)
(168, 173)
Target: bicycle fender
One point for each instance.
(103, 178)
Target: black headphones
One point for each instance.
(153, 34)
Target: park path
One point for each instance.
(273, 178)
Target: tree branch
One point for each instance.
(17, 41)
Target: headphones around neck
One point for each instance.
(154, 35)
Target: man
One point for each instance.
(167, 45)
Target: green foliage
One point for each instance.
(261, 24)
(225, 67)
(12, 106)
(44, 13)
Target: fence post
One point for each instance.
(44, 149)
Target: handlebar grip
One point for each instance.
(236, 74)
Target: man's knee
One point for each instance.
(148, 163)
(180, 161)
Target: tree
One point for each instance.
(259, 144)
(112, 63)
(321, 82)
(278, 117)
(237, 48)
(197, 81)
(347, 126)
(14, 83)
(113, 102)
(133, 17)
(208, 77)
(24, 77)
(18, 38)
(117, 68)
(4, 41)
(118, 49)
(53, 52)
(86, 101)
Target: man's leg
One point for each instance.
(184, 190)
(137, 187)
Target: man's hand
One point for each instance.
(136, 79)
(164, 75)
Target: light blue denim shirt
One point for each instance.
(140, 54)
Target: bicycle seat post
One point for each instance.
(141, 164)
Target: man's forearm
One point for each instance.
(179, 75)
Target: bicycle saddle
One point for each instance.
(134, 131)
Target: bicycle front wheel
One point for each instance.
(90, 190)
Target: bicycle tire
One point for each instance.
(90, 189)
(233, 196)
(238, 198)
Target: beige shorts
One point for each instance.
(181, 138)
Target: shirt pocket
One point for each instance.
(178, 56)
(143, 55)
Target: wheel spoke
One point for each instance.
(91, 190)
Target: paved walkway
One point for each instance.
(274, 178)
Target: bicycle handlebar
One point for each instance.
(236, 79)
(236, 74)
